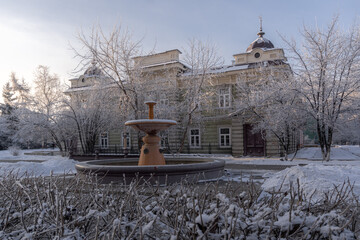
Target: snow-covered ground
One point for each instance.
(314, 179)
(35, 165)
(313, 174)
(337, 153)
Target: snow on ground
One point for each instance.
(351, 148)
(35, 165)
(6, 155)
(314, 179)
(317, 176)
(337, 153)
(312, 173)
(340, 155)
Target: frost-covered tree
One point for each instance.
(326, 66)
(196, 85)
(117, 55)
(114, 54)
(42, 118)
(15, 96)
(5, 118)
(348, 132)
(272, 104)
(91, 113)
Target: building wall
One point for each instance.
(164, 73)
(237, 136)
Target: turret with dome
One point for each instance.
(261, 50)
(260, 42)
(93, 74)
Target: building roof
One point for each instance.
(93, 70)
(222, 69)
(260, 42)
(161, 53)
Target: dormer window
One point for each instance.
(257, 55)
(83, 80)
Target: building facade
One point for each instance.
(220, 130)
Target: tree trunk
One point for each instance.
(322, 138)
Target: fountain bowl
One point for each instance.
(150, 126)
(125, 170)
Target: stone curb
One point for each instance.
(257, 167)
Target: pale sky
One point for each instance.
(38, 32)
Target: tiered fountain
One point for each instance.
(151, 165)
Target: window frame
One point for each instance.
(104, 139)
(221, 134)
(164, 102)
(164, 141)
(223, 96)
(191, 136)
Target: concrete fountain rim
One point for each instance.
(189, 165)
(161, 121)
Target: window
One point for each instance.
(224, 137)
(126, 140)
(224, 97)
(164, 102)
(195, 138)
(257, 55)
(164, 141)
(104, 140)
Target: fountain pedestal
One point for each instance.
(150, 151)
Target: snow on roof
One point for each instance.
(162, 64)
(223, 69)
(262, 39)
(77, 89)
(88, 88)
(260, 42)
(158, 53)
(262, 48)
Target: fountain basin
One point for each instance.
(176, 169)
(150, 126)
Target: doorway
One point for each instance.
(254, 144)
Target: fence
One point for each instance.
(169, 149)
(115, 150)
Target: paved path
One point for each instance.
(15, 161)
(256, 167)
(251, 172)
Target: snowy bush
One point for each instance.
(14, 150)
(64, 207)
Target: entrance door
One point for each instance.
(254, 144)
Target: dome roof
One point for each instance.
(93, 70)
(260, 42)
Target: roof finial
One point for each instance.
(260, 33)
